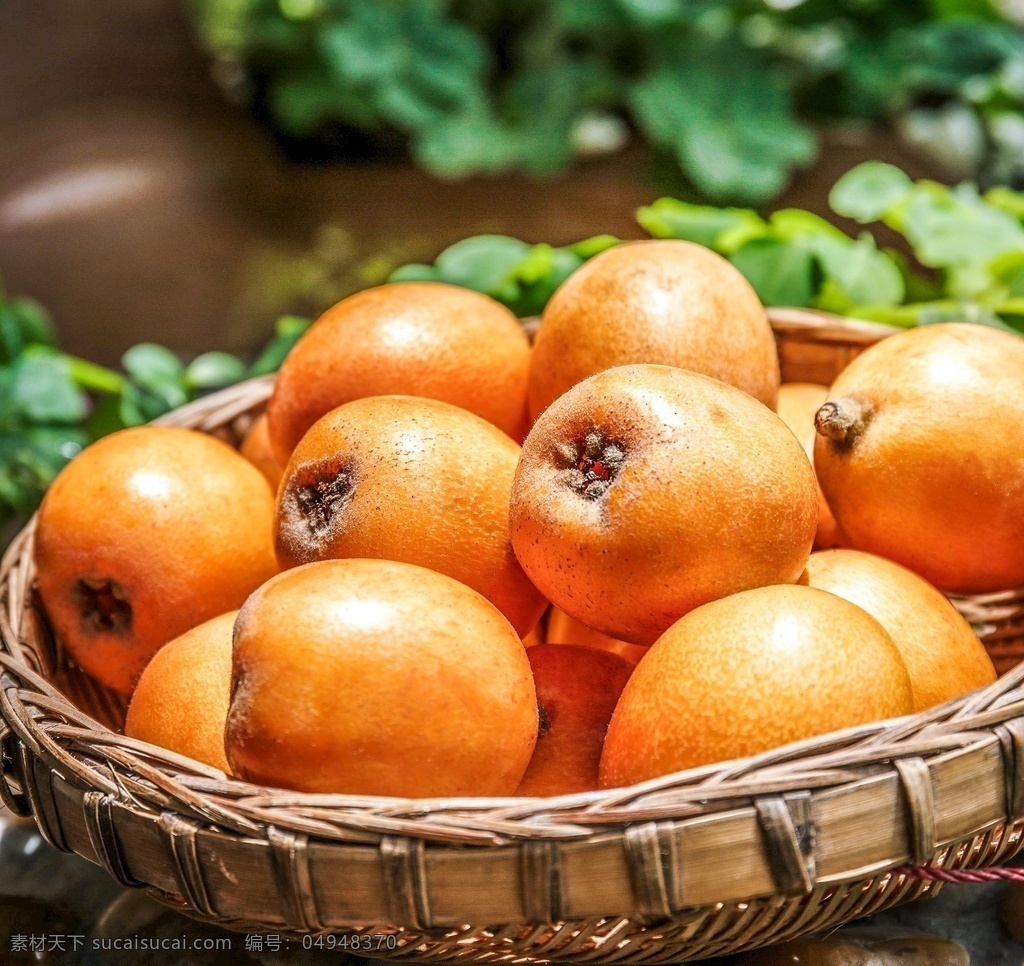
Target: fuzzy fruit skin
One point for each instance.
(943, 655)
(409, 338)
(798, 402)
(430, 486)
(372, 677)
(934, 476)
(666, 302)
(750, 673)
(179, 521)
(181, 700)
(715, 496)
(257, 450)
(577, 690)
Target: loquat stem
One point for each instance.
(841, 421)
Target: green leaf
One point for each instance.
(1008, 270)
(863, 274)
(138, 405)
(905, 316)
(155, 368)
(536, 286)
(413, 273)
(463, 144)
(932, 313)
(781, 273)
(983, 9)
(727, 117)
(789, 224)
(287, 332)
(485, 263)
(1014, 306)
(652, 13)
(43, 389)
(214, 369)
(30, 457)
(415, 65)
(590, 247)
(23, 323)
(1006, 199)
(93, 378)
(307, 98)
(105, 417)
(34, 322)
(918, 287)
(11, 340)
(870, 191)
(520, 275)
(703, 224)
(956, 230)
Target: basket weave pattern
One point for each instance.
(707, 862)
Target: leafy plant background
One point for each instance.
(968, 265)
(730, 89)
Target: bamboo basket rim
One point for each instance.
(40, 723)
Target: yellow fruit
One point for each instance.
(943, 655)
(257, 450)
(145, 534)
(798, 404)
(920, 454)
(370, 677)
(577, 688)
(409, 339)
(646, 491)
(749, 673)
(416, 480)
(666, 302)
(181, 701)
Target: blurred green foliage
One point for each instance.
(729, 88)
(968, 253)
(53, 404)
(968, 265)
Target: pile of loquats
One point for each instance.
(386, 594)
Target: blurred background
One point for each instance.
(183, 180)
(186, 172)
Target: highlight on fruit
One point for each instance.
(461, 564)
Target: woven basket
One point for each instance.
(703, 863)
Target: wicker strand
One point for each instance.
(961, 877)
(703, 863)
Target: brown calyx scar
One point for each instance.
(318, 493)
(543, 721)
(591, 464)
(103, 605)
(842, 421)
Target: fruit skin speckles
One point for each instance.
(943, 655)
(691, 508)
(920, 454)
(411, 338)
(660, 302)
(372, 677)
(784, 662)
(409, 479)
(147, 533)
